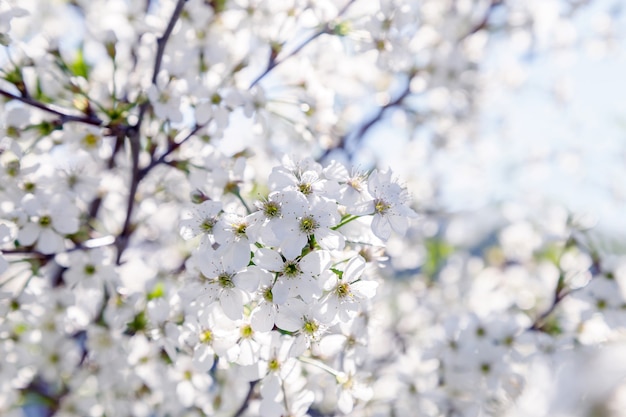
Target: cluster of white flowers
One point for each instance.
(260, 294)
(161, 255)
(265, 287)
(500, 316)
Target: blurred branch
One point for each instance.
(63, 116)
(482, 24)
(357, 136)
(274, 62)
(246, 401)
(133, 133)
(158, 60)
(561, 291)
(162, 41)
(171, 148)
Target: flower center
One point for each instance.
(164, 97)
(246, 331)
(343, 290)
(45, 221)
(381, 206)
(206, 336)
(355, 183)
(271, 209)
(90, 140)
(273, 365)
(305, 188)
(225, 281)
(90, 269)
(13, 168)
(207, 225)
(267, 295)
(291, 269)
(310, 326)
(240, 229)
(29, 186)
(308, 225)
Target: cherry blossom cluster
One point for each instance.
(289, 272)
(500, 317)
(161, 256)
(263, 297)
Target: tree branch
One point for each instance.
(63, 116)
(483, 22)
(246, 401)
(133, 133)
(274, 62)
(364, 128)
(144, 171)
(158, 60)
(162, 41)
(561, 291)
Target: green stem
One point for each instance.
(345, 221)
(245, 205)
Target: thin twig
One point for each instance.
(483, 22)
(124, 236)
(63, 116)
(246, 401)
(353, 139)
(158, 60)
(134, 135)
(162, 41)
(170, 149)
(357, 136)
(561, 292)
(274, 62)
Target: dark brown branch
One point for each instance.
(133, 133)
(273, 62)
(124, 236)
(63, 116)
(561, 291)
(172, 147)
(158, 60)
(162, 41)
(484, 21)
(246, 401)
(356, 137)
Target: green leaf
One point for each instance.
(217, 5)
(40, 95)
(552, 253)
(139, 323)
(551, 326)
(79, 67)
(337, 272)
(157, 292)
(437, 251)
